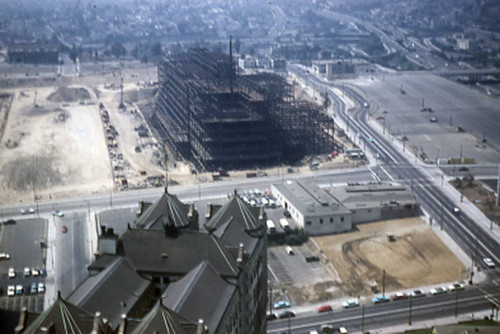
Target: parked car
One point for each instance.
(41, 287)
(34, 289)
(282, 304)
(28, 211)
(43, 272)
(438, 291)
(271, 316)
(324, 308)
(11, 291)
(286, 314)
(27, 272)
(350, 303)
(19, 289)
(58, 213)
(417, 293)
(489, 262)
(380, 299)
(4, 256)
(456, 287)
(289, 250)
(12, 272)
(399, 296)
(35, 271)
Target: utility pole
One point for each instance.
(270, 300)
(456, 303)
(362, 318)
(409, 315)
(442, 212)
(383, 283)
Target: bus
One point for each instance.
(284, 224)
(270, 226)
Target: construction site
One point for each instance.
(216, 118)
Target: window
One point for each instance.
(342, 219)
(308, 222)
(331, 220)
(321, 220)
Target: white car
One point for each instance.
(19, 289)
(27, 272)
(350, 303)
(41, 287)
(35, 271)
(489, 262)
(58, 213)
(12, 273)
(438, 291)
(4, 256)
(11, 291)
(27, 211)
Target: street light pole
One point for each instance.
(409, 316)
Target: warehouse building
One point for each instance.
(333, 210)
(314, 209)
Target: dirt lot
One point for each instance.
(417, 257)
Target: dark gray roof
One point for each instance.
(113, 292)
(236, 210)
(201, 294)
(310, 200)
(66, 318)
(162, 320)
(233, 234)
(167, 210)
(152, 251)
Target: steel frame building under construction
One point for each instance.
(216, 118)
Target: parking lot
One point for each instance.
(23, 241)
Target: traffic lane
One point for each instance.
(394, 312)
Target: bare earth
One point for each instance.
(416, 258)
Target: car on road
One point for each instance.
(12, 272)
(350, 303)
(41, 287)
(380, 299)
(489, 262)
(27, 272)
(371, 139)
(34, 289)
(456, 211)
(456, 287)
(289, 250)
(433, 120)
(379, 117)
(324, 308)
(463, 169)
(417, 293)
(399, 296)
(64, 229)
(58, 213)
(19, 289)
(282, 304)
(28, 211)
(11, 290)
(271, 316)
(438, 291)
(286, 314)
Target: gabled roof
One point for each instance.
(152, 251)
(162, 320)
(236, 210)
(66, 318)
(167, 210)
(201, 294)
(113, 292)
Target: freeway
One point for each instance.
(371, 317)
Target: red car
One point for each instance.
(399, 296)
(324, 308)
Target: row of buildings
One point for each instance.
(170, 273)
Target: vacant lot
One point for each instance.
(416, 257)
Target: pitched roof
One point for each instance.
(201, 294)
(239, 211)
(163, 320)
(66, 318)
(167, 210)
(113, 292)
(153, 251)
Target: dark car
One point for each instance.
(287, 214)
(286, 314)
(463, 169)
(271, 316)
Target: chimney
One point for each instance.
(208, 215)
(262, 214)
(97, 322)
(191, 210)
(22, 321)
(201, 327)
(241, 253)
(123, 324)
(141, 208)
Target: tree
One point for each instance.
(118, 50)
(156, 49)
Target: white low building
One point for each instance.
(314, 210)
